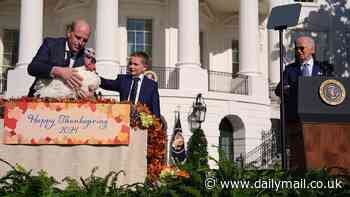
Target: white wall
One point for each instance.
(152, 11)
(253, 113)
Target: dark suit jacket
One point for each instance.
(148, 92)
(51, 53)
(178, 156)
(291, 74)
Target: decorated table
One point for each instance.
(70, 138)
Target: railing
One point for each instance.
(266, 153)
(3, 77)
(168, 77)
(273, 97)
(3, 83)
(228, 82)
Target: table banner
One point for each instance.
(66, 123)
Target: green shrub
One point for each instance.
(197, 153)
(19, 182)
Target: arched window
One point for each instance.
(226, 139)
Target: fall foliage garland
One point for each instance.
(155, 143)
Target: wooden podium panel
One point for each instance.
(327, 145)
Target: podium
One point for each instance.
(324, 111)
(82, 136)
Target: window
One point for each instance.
(10, 47)
(139, 36)
(226, 139)
(235, 56)
(10, 55)
(226, 143)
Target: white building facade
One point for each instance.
(220, 48)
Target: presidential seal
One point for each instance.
(332, 92)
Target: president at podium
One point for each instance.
(304, 65)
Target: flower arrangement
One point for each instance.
(170, 173)
(146, 120)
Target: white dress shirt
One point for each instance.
(138, 88)
(309, 64)
(72, 59)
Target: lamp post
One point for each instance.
(198, 114)
(197, 148)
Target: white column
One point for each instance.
(189, 32)
(31, 30)
(171, 35)
(249, 49)
(248, 37)
(30, 39)
(106, 38)
(188, 47)
(274, 64)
